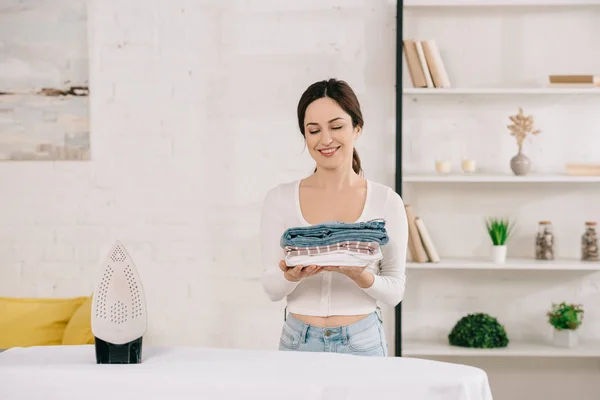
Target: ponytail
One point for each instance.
(356, 162)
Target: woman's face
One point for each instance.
(329, 134)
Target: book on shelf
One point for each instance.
(425, 65)
(420, 245)
(430, 249)
(574, 81)
(414, 64)
(583, 169)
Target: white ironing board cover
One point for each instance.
(70, 372)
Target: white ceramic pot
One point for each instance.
(565, 338)
(499, 254)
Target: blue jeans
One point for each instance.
(364, 337)
(334, 232)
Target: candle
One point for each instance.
(443, 166)
(468, 166)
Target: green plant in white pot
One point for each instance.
(565, 318)
(499, 230)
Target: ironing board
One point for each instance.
(71, 373)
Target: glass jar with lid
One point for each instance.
(589, 242)
(544, 241)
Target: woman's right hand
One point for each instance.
(297, 273)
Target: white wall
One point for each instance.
(193, 118)
(506, 47)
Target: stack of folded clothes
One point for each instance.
(335, 243)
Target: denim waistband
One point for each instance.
(343, 331)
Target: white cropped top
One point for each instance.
(331, 293)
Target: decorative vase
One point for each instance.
(499, 254)
(565, 337)
(520, 164)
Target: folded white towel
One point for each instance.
(335, 258)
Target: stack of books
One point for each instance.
(425, 64)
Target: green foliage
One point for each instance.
(499, 230)
(565, 316)
(478, 330)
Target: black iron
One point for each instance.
(110, 353)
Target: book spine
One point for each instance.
(583, 169)
(424, 66)
(436, 66)
(414, 65)
(427, 242)
(594, 79)
(419, 254)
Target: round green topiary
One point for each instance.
(478, 330)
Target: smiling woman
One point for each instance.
(333, 308)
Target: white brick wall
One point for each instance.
(193, 118)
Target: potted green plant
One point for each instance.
(478, 330)
(499, 230)
(565, 318)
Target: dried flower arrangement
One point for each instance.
(522, 125)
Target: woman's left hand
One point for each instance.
(360, 275)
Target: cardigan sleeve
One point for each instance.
(388, 286)
(272, 227)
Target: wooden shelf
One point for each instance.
(511, 264)
(499, 91)
(496, 3)
(496, 178)
(514, 349)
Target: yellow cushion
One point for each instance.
(28, 322)
(79, 328)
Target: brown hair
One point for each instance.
(341, 93)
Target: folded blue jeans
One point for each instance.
(363, 338)
(334, 232)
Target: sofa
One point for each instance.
(26, 322)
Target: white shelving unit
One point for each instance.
(497, 178)
(511, 264)
(414, 348)
(417, 347)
